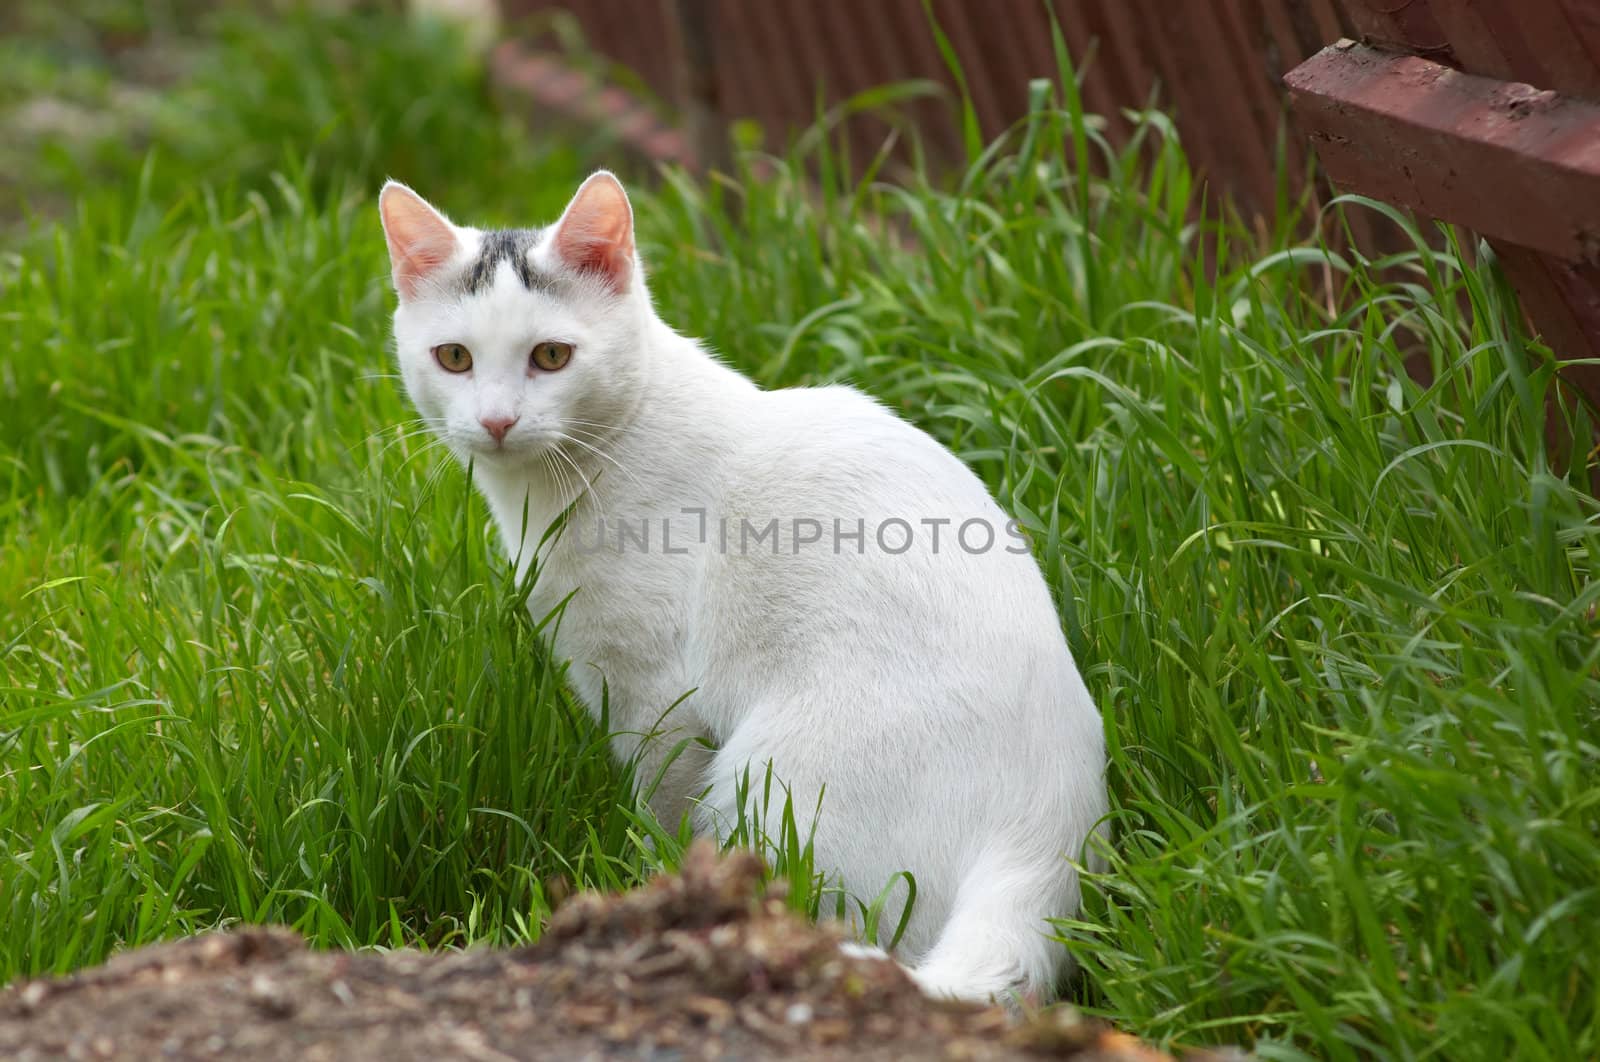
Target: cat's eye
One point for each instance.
(550, 356)
(453, 357)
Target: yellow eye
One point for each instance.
(551, 356)
(453, 357)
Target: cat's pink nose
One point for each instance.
(498, 426)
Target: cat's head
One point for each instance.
(513, 342)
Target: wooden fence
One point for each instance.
(1479, 112)
(1217, 62)
(1420, 105)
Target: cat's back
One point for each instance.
(836, 444)
(866, 513)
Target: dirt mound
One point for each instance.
(692, 966)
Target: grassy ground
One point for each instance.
(259, 660)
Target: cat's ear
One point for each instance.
(596, 232)
(421, 240)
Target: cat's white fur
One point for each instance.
(926, 696)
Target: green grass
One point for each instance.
(260, 659)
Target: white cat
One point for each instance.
(836, 594)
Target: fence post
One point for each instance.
(694, 59)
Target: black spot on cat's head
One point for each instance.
(505, 245)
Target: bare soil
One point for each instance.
(695, 966)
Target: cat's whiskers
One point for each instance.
(405, 431)
(589, 423)
(593, 432)
(593, 449)
(414, 426)
(555, 477)
(435, 474)
(418, 422)
(428, 447)
(547, 463)
(588, 486)
(567, 494)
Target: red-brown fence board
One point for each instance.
(1448, 144)
(1218, 66)
(1486, 114)
(1216, 63)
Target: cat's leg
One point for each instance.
(669, 770)
(775, 773)
(743, 787)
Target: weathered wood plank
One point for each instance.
(1532, 42)
(1409, 26)
(1503, 158)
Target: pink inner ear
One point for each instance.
(596, 234)
(420, 239)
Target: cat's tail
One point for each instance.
(996, 944)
